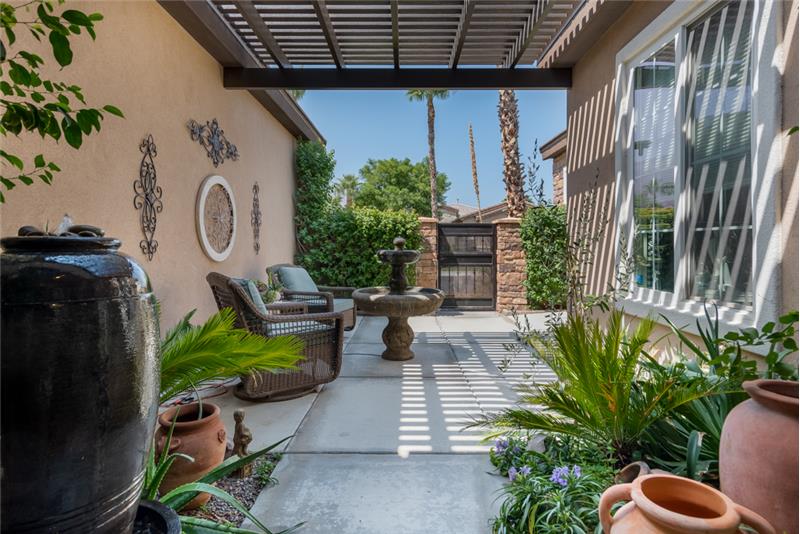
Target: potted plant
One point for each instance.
(190, 356)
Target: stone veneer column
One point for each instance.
(510, 260)
(428, 264)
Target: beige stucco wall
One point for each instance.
(591, 136)
(147, 65)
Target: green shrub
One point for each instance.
(314, 166)
(344, 242)
(544, 240)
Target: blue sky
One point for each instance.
(360, 125)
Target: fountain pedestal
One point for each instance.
(398, 302)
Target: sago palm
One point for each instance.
(508, 113)
(603, 393)
(428, 96)
(191, 355)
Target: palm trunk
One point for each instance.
(432, 158)
(478, 216)
(512, 171)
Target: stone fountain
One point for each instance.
(398, 302)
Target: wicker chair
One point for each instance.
(323, 299)
(322, 334)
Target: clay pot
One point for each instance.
(79, 382)
(203, 439)
(758, 452)
(667, 504)
(631, 472)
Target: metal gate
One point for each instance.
(466, 266)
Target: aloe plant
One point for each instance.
(157, 467)
(191, 355)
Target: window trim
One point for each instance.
(766, 157)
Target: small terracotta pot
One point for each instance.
(667, 504)
(203, 439)
(758, 452)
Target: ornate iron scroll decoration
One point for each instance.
(148, 197)
(255, 219)
(212, 138)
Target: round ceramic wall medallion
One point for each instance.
(216, 217)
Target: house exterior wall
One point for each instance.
(145, 63)
(559, 163)
(591, 145)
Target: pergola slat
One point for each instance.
(327, 28)
(259, 27)
(463, 27)
(395, 35)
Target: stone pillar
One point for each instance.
(428, 264)
(510, 260)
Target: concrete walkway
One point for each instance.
(382, 450)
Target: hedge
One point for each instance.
(544, 239)
(345, 243)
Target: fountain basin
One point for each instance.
(398, 307)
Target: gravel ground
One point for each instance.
(245, 490)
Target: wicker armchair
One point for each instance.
(322, 299)
(322, 334)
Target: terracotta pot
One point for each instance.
(758, 452)
(203, 439)
(667, 504)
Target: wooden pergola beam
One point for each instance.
(262, 32)
(388, 78)
(324, 18)
(463, 26)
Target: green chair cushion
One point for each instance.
(252, 291)
(296, 279)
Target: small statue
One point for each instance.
(242, 437)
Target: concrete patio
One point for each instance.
(383, 449)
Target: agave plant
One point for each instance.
(157, 467)
(191, 355)
(604, 394)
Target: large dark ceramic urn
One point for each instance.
(79, 382)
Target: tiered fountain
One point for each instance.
(398, 302)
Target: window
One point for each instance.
(653, 162)
(687, 157)
(719, 233)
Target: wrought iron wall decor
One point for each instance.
(255, 219)
(212, 138)
(148, 197)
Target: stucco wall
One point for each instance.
(147, 65)
(591, 136)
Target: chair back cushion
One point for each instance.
(252, 291)
(296, 279)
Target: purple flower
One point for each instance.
(559, 476)
(512, 474)
(500, 445)
(576, 471)
(525, 470)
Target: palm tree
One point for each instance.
(475, 173)
(512, 171)
(346, 189)
(428, 96)
(297, 94)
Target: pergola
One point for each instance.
(378, 44)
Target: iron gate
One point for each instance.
(466, 265)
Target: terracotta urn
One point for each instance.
(201, 438)
(668, 504)
(758, 452)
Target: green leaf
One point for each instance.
(76, 17)
(790, 344)
(37, 97)
(95, 17)
(5, 87)
(693, 448)
(8, 183)
(48, 85)
(2, 51)
(72, 133)
(53, 167)
(10, 35)
(793, 130)
(222, 495)
(198, 525)
(61, 49)
(39, 160)
(25, 179)
(19, 74)
(12, 159)
(113, 110)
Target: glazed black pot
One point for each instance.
(80, 379)
(152, 517)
